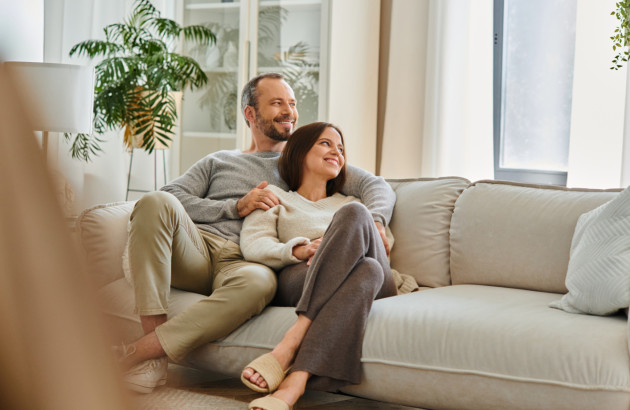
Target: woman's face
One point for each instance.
(325, 159)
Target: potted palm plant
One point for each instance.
(137, 77)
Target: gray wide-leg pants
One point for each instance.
(167, 249)
(349, 271)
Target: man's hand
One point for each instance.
(306, 252)
(381, 231)
(257, 198)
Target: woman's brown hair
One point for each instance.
(300, 143)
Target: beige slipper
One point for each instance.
(268, 367)
(269, 403)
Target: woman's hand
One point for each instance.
(306, 252)
(382, 232)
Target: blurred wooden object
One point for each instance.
(52, 351)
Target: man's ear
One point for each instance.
(250, 114)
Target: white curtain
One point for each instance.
(104, 179)
(438, 114)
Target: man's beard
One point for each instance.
(268, 127)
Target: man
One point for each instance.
(187, 236)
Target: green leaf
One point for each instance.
(135, 71)
(200, 34)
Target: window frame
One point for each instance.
(503, 173)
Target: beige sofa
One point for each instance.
(481, 335)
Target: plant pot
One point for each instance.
(133, 139)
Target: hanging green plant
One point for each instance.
(136, 79)
(621, 37)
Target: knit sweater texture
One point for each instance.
(268, 237)
(210, 189)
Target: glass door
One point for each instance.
(209, 115)
(253, 37)
(289, 41)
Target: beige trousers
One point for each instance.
(167, 249)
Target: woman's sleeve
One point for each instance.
(260, 243)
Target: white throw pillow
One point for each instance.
(598, 276)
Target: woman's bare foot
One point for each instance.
(284, 352)
(292, 388)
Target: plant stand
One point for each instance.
(154, 172)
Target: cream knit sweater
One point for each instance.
(268, 237)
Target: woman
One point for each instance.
(333, 265)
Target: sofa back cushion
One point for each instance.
(420, 224)
(103, 233)
(517, 235)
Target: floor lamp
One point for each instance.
(60, 96)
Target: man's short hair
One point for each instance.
(249, 96)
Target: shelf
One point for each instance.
(280, 69)
(289, 3)
(268, 3)
(220, 70)
(213, 6)
(219, 135)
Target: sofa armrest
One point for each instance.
(102, 232)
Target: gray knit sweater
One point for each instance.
(210, 189)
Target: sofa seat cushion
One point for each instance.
(499, 347)
(117, 301)
(500, 332)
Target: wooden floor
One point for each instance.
(192, 389)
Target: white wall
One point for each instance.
(598, 107)
(104, 179)
(405, 100)
(34, 30)
(353, 76)
(63, 23)
(438, 114)
(21, 30)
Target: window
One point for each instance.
(534, 49)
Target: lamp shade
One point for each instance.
(60, 95)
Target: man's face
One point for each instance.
(276, 113)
